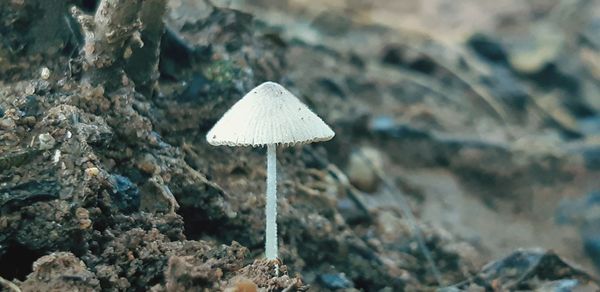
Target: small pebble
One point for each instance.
(29, 121)
(46, 141)
(148, 164)
(7, 124)
(30, 89)
(56, 156)
(45, 73)
(362, 168)
(92, 171)
(128, 52)
(83, 215)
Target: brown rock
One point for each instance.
(60, 271)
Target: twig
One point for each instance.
(355, 195)
(164, 190)
(410, 217)
(108, 35)
(426, 83)
(142, 66)
(479, 91)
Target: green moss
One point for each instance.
(222, 72)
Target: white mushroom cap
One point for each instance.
(269, 114)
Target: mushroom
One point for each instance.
(269, 115)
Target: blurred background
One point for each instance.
(486, 111)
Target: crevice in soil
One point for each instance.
(17, 262)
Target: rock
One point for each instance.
(7, 124)
(46, 141)
(83, 215)
(157, 197)
(539, 48)
(30, 89)
(335, 281)
(27, 193)
(92, 171)
(362, 168)
(157, 141)
(60, 271)
(382, 124)
(126, 195)
(148, 164)
(388, 127)
(182, 12)
(45, 73)
(532, 268)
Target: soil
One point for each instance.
(466, 155)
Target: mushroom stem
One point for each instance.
(271, 210)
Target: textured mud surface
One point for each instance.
(489, 132)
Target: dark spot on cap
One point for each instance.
(214, 136)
